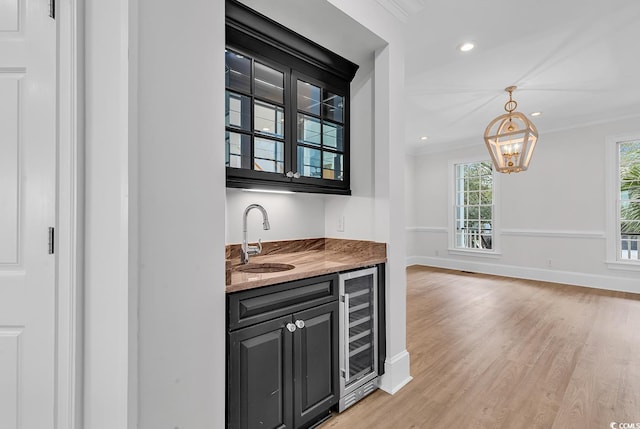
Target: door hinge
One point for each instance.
(52, 236)
(52, 9)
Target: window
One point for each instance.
(474, 206)
(628, 200)
(287, 108)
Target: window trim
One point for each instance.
(612, 202)
(495, 252)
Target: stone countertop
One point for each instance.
(311, 257)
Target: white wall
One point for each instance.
(106, 308)
(181, 336)
(357, 211)
(552, 216)
(145, 202)
(292, 216)
(410, 187)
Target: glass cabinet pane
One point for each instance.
(238, 111)
(309, 130)
(269, 83)
(268, 119)
(238, 150)
(268, 155)
(332, 106)
(332, 135)
(309, 162)
(331, 165)
(308, 98)
(237, 71)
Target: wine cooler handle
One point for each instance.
(291, 327)
(347, 370)
(300, 324)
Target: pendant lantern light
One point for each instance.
(511, 138)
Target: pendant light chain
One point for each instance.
(510, 105)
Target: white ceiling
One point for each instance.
(323, 23)
(577, 61)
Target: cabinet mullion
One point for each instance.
(290, 161)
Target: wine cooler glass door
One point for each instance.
(359, 350)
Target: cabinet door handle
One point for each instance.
(296, 175)
(289, 174)
(291, 327)
(347, 365)
(300, 323)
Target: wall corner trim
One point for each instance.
(396, 373)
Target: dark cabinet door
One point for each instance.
(260, 376)
(316, 383)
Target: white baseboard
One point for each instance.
(596, 281)
(396, 373)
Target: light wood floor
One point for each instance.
(494, 352)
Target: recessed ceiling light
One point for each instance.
(536, 114)
(423, 138)
(466, 47)
(265, 129)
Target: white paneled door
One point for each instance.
(27, 210)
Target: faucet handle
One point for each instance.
(254, 250)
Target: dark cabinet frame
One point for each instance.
(261, 38)
(295, 374)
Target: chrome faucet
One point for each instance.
(247, 249)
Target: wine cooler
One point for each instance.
(358, 329)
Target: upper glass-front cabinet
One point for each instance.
(255, 120)
(320, 136)
(287, 111)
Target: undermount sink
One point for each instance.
(264, 267)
